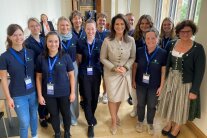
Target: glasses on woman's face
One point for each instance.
(186, 32)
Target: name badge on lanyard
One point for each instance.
(50, 89)
(27, 79)
(28, 82)
(90, 50)
(146, 76)
(50, 84)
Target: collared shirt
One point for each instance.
(17, 71)
(71, 50)
(82, 49)
(154, 69)
(102, 35)
(80, 35)
(60, 79)
(37, 47)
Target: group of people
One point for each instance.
(51, 68)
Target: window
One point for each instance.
(178, 10)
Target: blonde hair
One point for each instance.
(172, 33)
(63, 18)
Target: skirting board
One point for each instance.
(196, 130)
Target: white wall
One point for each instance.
(201, 38)
(147, 7)
(18, 11)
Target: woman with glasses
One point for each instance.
(180, 96)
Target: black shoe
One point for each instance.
(82, 104)
(67, 135)
(57, 135)
(130, 101)
(48, 120)
(43, 123)
(172, 136)
(165, 133)
(1, 114)
(90, 131)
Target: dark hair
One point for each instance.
(185, 23)
(75, 13)
(10, 31)
(43, 15)
(46, 51)
(172, 33)
(138, 32)
(113, 32)
(153, 29)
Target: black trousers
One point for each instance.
(90, 86)
(56, 106)
(146, 97)
(42, 110)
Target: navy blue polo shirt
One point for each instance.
(80, 35)
(102, 35)
(69, 47)
(82, 49)
(37, 47)
(17, 71)
(155, 66)
(140, 43)
(60, 78)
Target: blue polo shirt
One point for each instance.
(80, 35)
(69, 47)
(82, 49)
(155, 66)
(140, 43)
(37, 47)
(60, 78)
(17, 71)
(102, 35)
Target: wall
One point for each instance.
(18, 11)
(201, 38)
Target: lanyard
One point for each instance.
(149, 59)
(51, 66)
(24, 63)
(165, 44)
(103, 33)
(40, 44)
(143, 42)
(66, 47)
(90, 50)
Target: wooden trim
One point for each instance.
(195, 130)
(98, 6)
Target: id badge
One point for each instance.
(146, 78)
(89, 71)
(28, 82)
(50, 89)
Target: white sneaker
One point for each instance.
(133, 113)
(105, 99)
(150, 129)
(140, 127)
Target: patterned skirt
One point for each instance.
(173, 101)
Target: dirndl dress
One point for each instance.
(173, 101)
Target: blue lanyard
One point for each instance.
(165, 44)
(143, 42)
(40, 44)
(90, 50)
(66, 47)
(51, 67)
(149, 59)
(24, 63)
(103, 33)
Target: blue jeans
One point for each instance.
(26, 110)
(146, 96)
(74, 106)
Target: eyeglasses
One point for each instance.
(186, 32)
